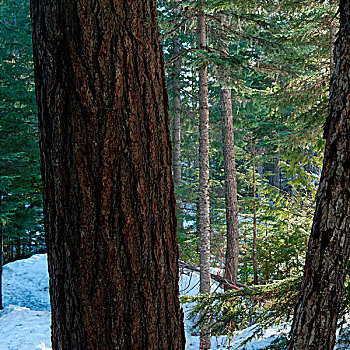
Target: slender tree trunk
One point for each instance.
(232, 249)
(30, 242)
(177, 125)
(232, 234)
(204, 205)
(18, 248)
(277, 171)
(260, 167)
(177, 114)
(109, 204)
(255, 257)
(317, 308)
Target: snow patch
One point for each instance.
(25, 320)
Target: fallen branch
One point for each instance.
(216, 278)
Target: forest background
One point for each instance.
(276, 59)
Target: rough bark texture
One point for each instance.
(232, 237)
(106, 167)
(204, 202)
(316, 312)
(231, 203)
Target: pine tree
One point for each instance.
(110, 216)
(204, 199)
(317, 308)
(232, 234)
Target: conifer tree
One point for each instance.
(232, 235)
(110, 216)
(204, 198)
(316, 312)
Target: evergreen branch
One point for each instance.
(216, 278)
(175, 58)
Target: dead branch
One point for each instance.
(216, 278)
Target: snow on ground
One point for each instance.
(25, 320)
(189, 285)
(26, 283)
(24, 329)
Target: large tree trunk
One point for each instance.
(204, 201)
(316, 312)
(232, 235)
(109, 201)
(177, 123)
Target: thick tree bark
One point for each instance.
(231, 204)
(109, 202)
(204, 201)
(316, 312)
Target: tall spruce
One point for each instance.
(316, 312)
(231, 204)
(204, 198)
(109, 204)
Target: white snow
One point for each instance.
(189, 285)
(25, 320)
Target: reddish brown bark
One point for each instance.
(231, 202)
(316, 312)
(106, 166)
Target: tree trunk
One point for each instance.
(255, 257)
(316, 312)
(177, 115)
(110, 216)
(232, 235)
(177, 124)
(277, 171)
(204, 201)
(18, 248)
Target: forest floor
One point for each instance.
(25, 320)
